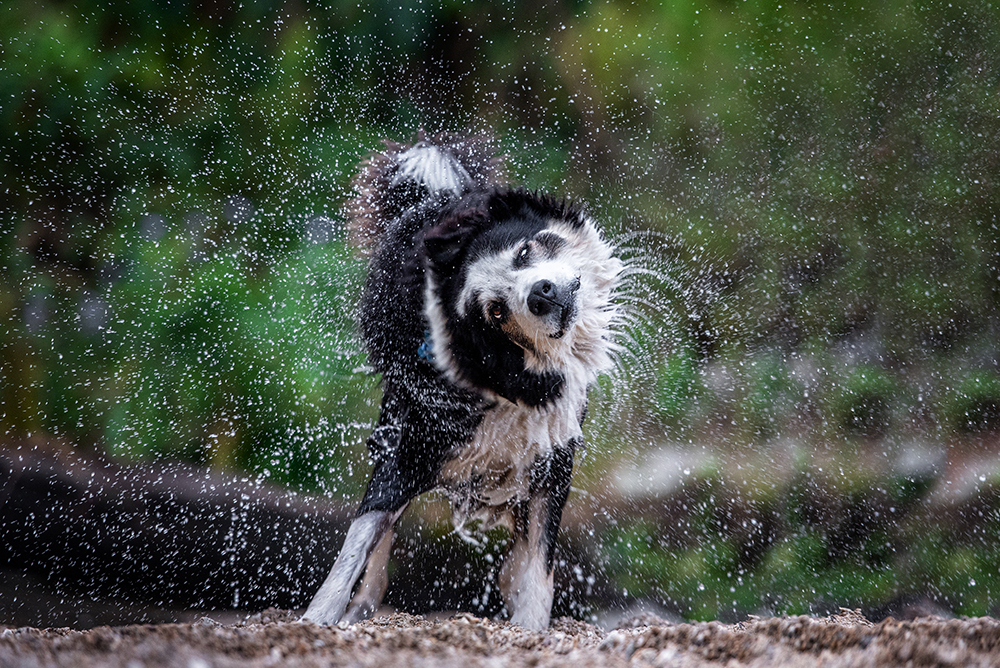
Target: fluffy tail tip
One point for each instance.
(402, 176)
(433, 168)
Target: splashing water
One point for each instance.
(663, 293)
(807, 381)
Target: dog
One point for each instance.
(489, 311)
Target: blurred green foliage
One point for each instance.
(805, 550)
(174, 280)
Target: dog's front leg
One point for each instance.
(373, 585)
(364, 534)
(526, 579)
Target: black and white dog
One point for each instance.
(489, 311)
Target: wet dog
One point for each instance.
(489, 312)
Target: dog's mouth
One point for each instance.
(566, 317)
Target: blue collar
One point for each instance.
(426, 349)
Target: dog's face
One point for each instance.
(525, 282)
(535, 272)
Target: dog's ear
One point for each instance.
(445, 241)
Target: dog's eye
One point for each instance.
(496, 311)
(522, 257)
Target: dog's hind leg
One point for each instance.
(365, 532)
(526, 579)
(373, 585)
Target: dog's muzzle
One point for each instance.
(553, 302)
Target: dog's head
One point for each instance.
(520, 275)
(524, 279)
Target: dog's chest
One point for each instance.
(494, 468)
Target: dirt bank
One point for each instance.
(274, 638)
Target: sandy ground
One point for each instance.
(274, 638)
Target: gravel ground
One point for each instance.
(275, 638)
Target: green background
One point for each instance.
(813, 187)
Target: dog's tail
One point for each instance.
(404, 175)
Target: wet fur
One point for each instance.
(488, 311)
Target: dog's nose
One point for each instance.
(546, 296)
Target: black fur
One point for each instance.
(552, 479)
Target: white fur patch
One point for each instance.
(437, 170)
